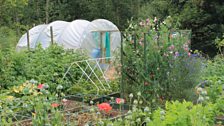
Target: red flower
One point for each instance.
(104, 107)
(119, 100)
(55, 105)
(40, 86)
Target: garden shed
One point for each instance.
(98, 38)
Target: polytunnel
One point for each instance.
(98, 38)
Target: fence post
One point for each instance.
(101, 47)
(145, 59)
(52, 39)
(28, 40)
(135, 43)
(122, 69)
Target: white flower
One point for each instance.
(138, 120)
(162, 112)
(207, 98)
(135, 102)
(139, 93)
(204, 92)
(46, 86)
(199, 90)
(64, 100)
(146, 109)
(168, 73)
(129, 112)
(112, 98)
(140, 102)
(62, 94)
(200, 99)
(134, 109)
(131, 95)
(101, 123)
(59, 87)
(33, 81)
(91, 102)
(128, 117)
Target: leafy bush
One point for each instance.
(167, 70)
(48, 66)
(174, 114)
(42, 65)
(8, 38)
(213, 74)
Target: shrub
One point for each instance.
(167, 70)
(42, 65)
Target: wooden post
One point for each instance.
(52, 38)
(109, 61)
(135, 42)
(145, 58)
(28, 40)
(101, 46)
(122, 70)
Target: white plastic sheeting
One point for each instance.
(78, 34)
(45, 36)
(70, 37)
(33, 35)
(91, 38)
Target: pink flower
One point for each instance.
(104, 107)
(189, 54)
(155, 19)
(119, 100)
(176, 53)
(141, 43)
(147, 21)
(146, 83)
(186, 48)
(55, 105)
(40, 86)
(171, 47)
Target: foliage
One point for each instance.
(175, 113)
(42, 65)
(160, 64)
(41, 116)
(220, 44)
(213, 74)
(204, 17)
(18, 102)
(184, 114)
(8, 38)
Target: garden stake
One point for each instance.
(135, 43)
(28, 40)
(145, 47)
(51, 30)
(122, 76)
